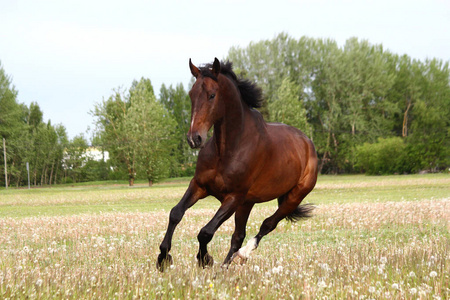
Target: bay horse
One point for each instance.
(246, 161)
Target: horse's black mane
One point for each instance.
(251, 94)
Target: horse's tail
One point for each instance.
(301, 212)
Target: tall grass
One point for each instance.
(376, 248)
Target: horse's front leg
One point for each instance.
(240, 221)
(191, 196)
(226, 210)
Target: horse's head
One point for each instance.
(206, 106)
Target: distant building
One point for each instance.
(96, 154)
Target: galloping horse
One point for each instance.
(246, 161)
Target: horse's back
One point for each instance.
(291, 139)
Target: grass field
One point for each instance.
(370, 238)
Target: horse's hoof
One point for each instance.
(206, 261)
(163, 262)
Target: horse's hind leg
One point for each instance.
(288, 205)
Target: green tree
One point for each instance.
(111, 115)
(153, 129)
(287, 107)
(386, 156)
(177, 102)
(430, 126)
(75, 158)
(12, 128)
(343, 89)
(134, 130)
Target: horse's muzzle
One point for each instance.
(195, 140)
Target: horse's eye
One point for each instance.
(212, 96)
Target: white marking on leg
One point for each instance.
(244, 252)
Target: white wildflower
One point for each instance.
(39, 282)
(277, 270)
(433, 274)
(321, 283)
(372, 289)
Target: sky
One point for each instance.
(68, 55)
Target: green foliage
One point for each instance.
(75, 158)
(287, 108)
(136, 130)
(176, 101)
(153, 129)
(350, 100)
(353, 95)
(28, 139)
(386, 156)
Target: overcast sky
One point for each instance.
(69, 55)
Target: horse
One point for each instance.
(246, 161)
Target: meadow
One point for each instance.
(370, 238)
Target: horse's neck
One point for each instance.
(228, 133)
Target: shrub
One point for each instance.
(386, 156)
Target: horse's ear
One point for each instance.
(216, 67)
(194, 70)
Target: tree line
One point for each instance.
(52, 157)
(366, 109)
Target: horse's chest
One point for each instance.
(221, 181)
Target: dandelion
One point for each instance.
(412, 274)
(395, 286)
(413, 291)
(256, 268)
(321, 283)
(383, 260)
(39, 282)
(372, 289)
(433, 274)
(325, 267)
(277, 270)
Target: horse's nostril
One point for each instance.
(198, 139)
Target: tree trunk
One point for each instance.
(51, 174)
(131, 175)
(324, 158)
(44, 170)
(405, 120)
(56, 172)
(150, 182)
